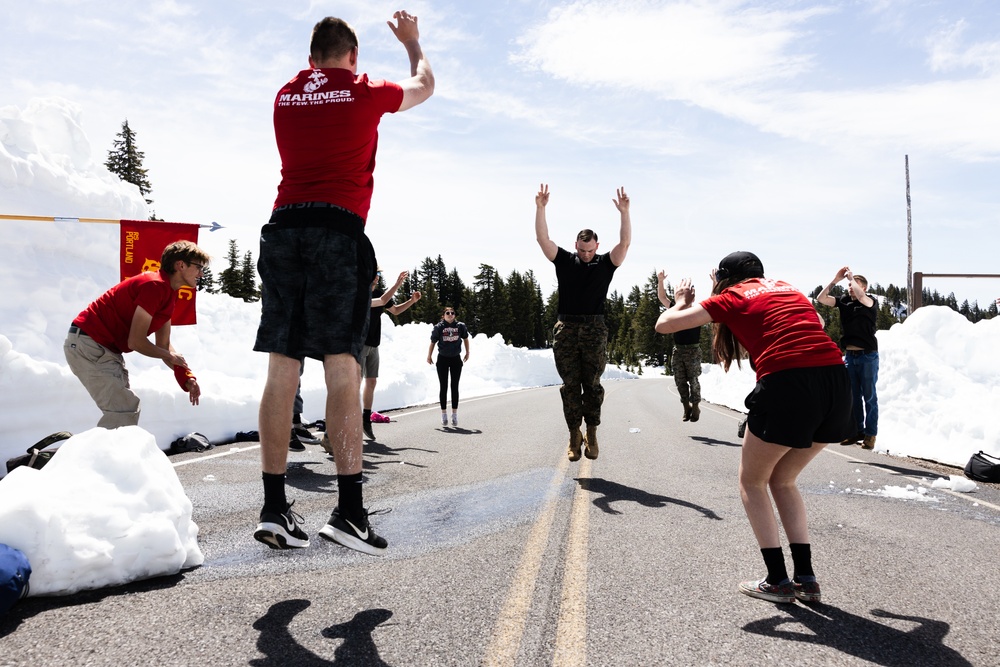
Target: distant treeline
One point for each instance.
(514, 307)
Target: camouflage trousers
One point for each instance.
(686, 365)
(581, 353)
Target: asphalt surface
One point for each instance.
(501, 552)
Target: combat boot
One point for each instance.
(868, 442)
(687, 411)
(591, 450)
(695, 412)
(575, 442)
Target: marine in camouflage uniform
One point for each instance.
(580, 337)
(686, 365)
(686, 359)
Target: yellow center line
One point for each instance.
(571, 630)
(509, 629)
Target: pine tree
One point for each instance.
(206, 282)
(249, 291)
(125, 161)
(231, 278)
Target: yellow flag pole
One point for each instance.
(49, 218)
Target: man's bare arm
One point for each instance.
(420, 85)
(625, 233)
(548, 246)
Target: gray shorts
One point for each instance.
(369, 362)
(316, 266)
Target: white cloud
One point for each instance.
(947, 52)
(674, 49)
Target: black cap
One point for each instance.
(740, 265)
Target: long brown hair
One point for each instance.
(734, 269)
(725, 347)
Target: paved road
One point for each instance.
(503, 553)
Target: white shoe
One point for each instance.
(444, 419)
(454, 419)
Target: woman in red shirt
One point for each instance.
(801, 402)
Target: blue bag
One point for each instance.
(14, 574)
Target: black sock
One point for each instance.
(366, 415)
(274, 493)
(774, 559)
(802, 560)
(351, 502)
(296, 419)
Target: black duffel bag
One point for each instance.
(983, 467)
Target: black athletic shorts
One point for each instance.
(317, 267)
(800, 406)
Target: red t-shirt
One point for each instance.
(326, 126)
(776, 324)
(109, 319)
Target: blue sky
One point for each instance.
(777, 127)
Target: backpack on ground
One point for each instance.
(14, 574)
(983, 467)
(39, 453)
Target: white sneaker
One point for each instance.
(444, 419)
(454, 419)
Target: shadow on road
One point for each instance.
(280, 647)
(458, 430)
(873, 642)
(611, 492)
(705, 440)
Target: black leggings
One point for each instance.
(445, 364)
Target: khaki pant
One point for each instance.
(103, 374)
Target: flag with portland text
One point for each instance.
(142, 244)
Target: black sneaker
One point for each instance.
(304, 434)
(281, 531)
(295, 445)
(366, 426)
(352, 535)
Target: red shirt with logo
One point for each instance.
(109, 319)
(326, 126)
(776, 324)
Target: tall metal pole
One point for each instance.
(909, 243)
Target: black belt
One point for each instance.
(311, 204)
(73, 329)
(581, 319)
(860, 351)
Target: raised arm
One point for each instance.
(548, 246)
(388, 294)
(420, 85)
(685, 314)
(857, 291)
(401, 307)
(824, 296)
(625, 234)
(661, 290)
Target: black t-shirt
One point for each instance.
(858, 323)
(687, 336)
(374, 338)
(583, 287)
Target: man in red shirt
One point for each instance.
(121, 321)
(316, 264)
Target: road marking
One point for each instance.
(509, 628)
(571, 630)
(920, 480)
(234, 450)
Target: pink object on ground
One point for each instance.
(379, 418)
